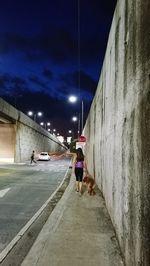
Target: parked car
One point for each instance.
(44, 156)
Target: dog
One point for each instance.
(90, 184)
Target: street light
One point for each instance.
(74, 118)
(30, 113)
(45, 124)
(73, 99)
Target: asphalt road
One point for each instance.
(23, 190)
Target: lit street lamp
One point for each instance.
(73, 99)
(30, 113)
(74, 118)
(45, 124)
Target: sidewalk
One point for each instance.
(78, 232)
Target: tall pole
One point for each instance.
(82, 114)
(79, 125)
(79, 77)
(35, 117)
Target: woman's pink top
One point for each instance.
(79, 164)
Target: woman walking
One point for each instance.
(79, 166)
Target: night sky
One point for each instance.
(50, 49)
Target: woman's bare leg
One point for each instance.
(77, 185)
(80, 187)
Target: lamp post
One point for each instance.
(82, 112)
(54, 132)
(71, 132)
(75, 119)
(46, 125)
(30, 113)
(73, 99)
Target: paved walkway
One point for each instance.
(78, 232)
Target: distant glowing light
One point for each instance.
(74, 118)
(72, 99)
(30, 113)
(39, 113)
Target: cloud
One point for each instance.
(58, 46)
(86, 81)
(12, 41)
(12, 85)
(47, 73)
(38, 81)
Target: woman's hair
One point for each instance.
(80, 155)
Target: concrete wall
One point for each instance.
(30, 136)
(118, 130)
(23, 136)
(7, 142)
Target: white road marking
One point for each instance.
(3, 192)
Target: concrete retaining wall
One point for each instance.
(118, 130)
(28, 135)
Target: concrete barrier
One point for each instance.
(118, 130)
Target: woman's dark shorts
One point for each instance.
(79, 174)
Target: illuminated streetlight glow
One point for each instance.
(45, 124)
(39, 113)
(70, 131)
(74, 118)
(72, 99)
(30, 113)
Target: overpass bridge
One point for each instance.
(19, 135)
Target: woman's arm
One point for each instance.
(85, 167)
(73, 162)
